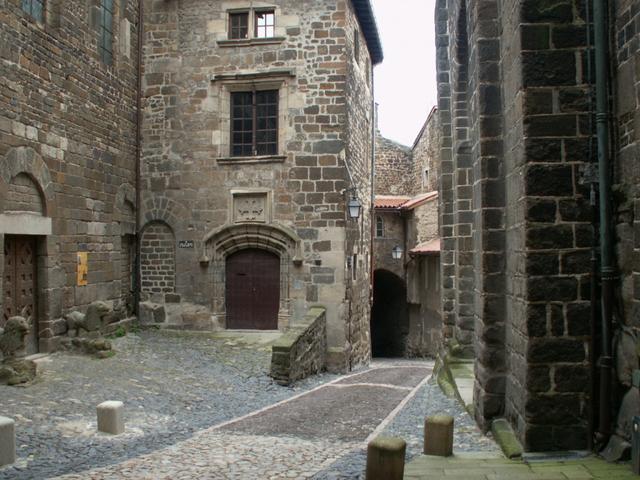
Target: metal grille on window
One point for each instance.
(239, 25)
(105, 43)
(254, 123)
(35, 8)
(265, 24)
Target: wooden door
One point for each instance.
(253, 290)
(19, 284)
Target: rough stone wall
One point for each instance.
(423, 223)
(425, 155)
(515, 222)
(359, 162)
(394, 226)
(157, 259)
(394, 168)
(192, 184)
(302, 351)
(68, 122)
(425, 320)
(627, 173)
(23, 196)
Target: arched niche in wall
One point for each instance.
(26, 193)
(157, 258)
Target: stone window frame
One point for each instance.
(425, 177)
(29, 13)
(356, 45)
(94, 13)
(225, 85)
(255, 103)
(251, 10)
(106, 33)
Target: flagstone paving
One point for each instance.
(480, 467)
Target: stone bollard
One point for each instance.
(111, 418)
(438, 435)
(385, 458)
(7, 441)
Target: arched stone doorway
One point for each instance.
(389, 315)
(223, 243)
(252, 289)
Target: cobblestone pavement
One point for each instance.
(189, 400)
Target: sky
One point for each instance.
(405, 82)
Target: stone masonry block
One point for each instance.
(385, 458)
(111, 417)
(7, 441)
(438, 435)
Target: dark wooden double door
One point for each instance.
(252, 290)
(19, 284)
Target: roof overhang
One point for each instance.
(367, 21)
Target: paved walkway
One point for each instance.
(203, 406)
(481, 467)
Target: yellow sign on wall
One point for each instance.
(83, 269)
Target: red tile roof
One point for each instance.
(403, 202)
(390, 201)
(432, 247)
(419, 200)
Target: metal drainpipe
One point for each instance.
(138, 156)
(607, 268)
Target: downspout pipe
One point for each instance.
(607, 268)
(138, 157)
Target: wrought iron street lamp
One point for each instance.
(354, 206)
(396, 252)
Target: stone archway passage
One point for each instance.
(389, 315)
(252, 289)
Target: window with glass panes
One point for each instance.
(254, 123)
(265, 24)
(105, 41)
(239, 25)
(35, 8)
(379, 227)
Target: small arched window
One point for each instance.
(379, 227)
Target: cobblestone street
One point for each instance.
(203, 406)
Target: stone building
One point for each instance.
(67, 158)
(405, 318)
(257, 132)
(517, 229)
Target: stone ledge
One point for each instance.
(256, 159)
(249, 42)
(301, 351)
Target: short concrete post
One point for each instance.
(438, 435)
(111, 417)
(7, 441)
(385, 458)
